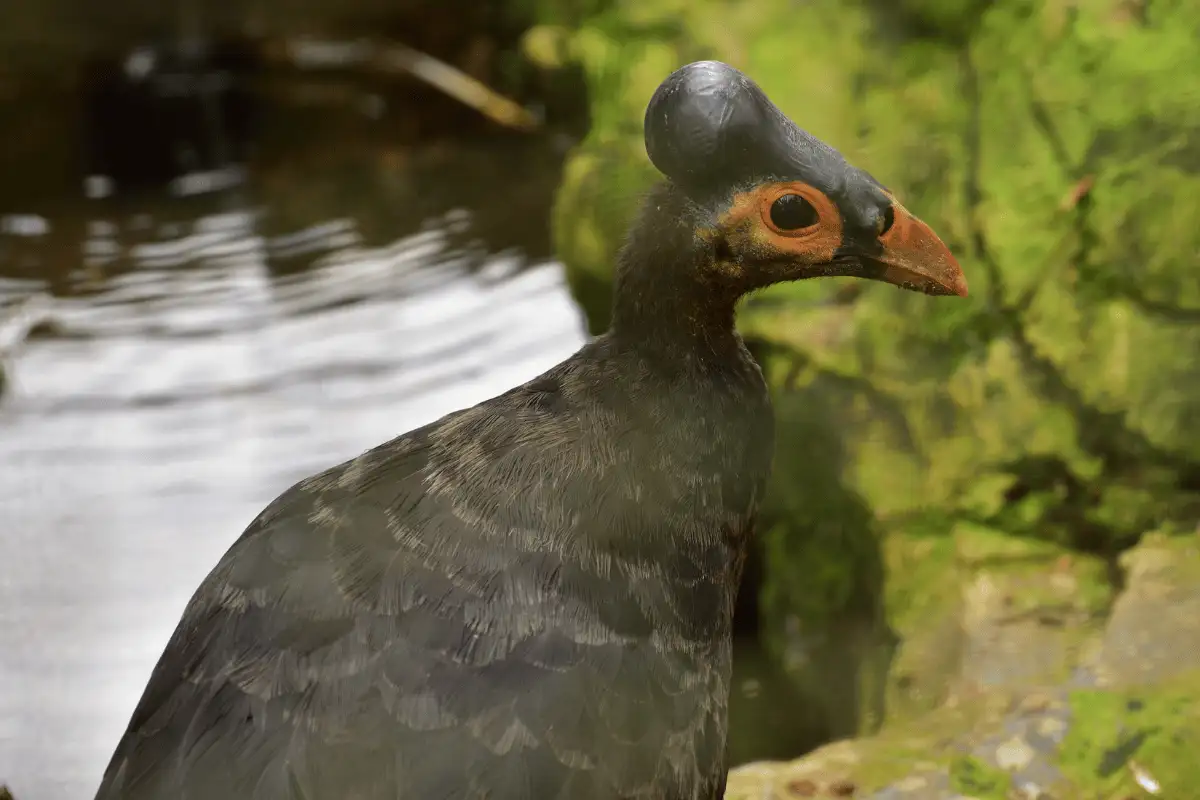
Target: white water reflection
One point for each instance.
(136, 446)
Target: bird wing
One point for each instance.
(376, 633)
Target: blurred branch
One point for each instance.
(1044, 123)
(1168, 312)
(394, 58)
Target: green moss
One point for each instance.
(931, 746)
(970, 776)
(547, 46)
(1111, 737)
(923, 578)
(1114, 733)
(1176, 553)
(924, 608)
(1049, 575)
(926, 745)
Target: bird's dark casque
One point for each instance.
(532, 598)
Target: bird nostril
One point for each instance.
(886, 220)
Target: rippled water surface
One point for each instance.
(163, 408)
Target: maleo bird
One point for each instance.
(532, 599)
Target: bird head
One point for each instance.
(777, 204)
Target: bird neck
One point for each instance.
(668, 295)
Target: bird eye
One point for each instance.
(791, 212)
(886, 220)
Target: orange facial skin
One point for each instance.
(909, 254)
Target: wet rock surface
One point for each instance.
(1054, 692)
(1153, 632)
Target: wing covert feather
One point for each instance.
(372, 629)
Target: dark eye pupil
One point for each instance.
(792, 212)
(889, 219)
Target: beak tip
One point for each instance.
(958, 282)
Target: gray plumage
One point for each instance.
(531, 599)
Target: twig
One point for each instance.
(1168, 312)
(1041, 118)
(393, 58)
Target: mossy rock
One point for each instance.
(976, 610)
(1076, 745)
(923, 759)
(1089, 723)
(925, 606)
(1153, 632)
(1122, 741)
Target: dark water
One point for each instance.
(182, 345)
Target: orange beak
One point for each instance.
(915, 258)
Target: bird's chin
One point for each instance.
(842, 266)
(902, 276)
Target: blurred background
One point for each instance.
(242, 240)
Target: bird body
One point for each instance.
(529, 599)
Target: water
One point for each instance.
(200, 362)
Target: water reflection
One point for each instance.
(228, 308)
(170, 406)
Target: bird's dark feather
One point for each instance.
(526, 600)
